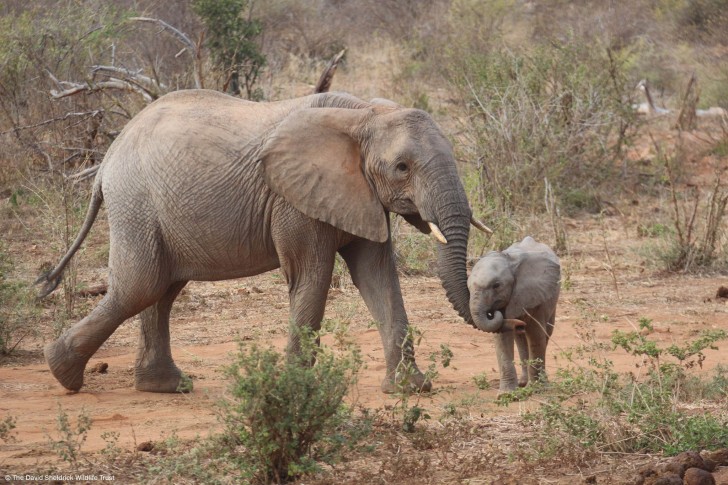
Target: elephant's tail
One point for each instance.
(52, 278)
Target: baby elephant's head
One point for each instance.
(491, 285)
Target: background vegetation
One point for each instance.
(540, 101)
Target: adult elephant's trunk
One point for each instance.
(451, 212)
(451, 259)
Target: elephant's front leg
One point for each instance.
(306, 250)
(155, 371)
(504, 353)
(374, 273)
(522, 344)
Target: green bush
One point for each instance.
(231, 38)
(596, 408)
(69, 442)
(284, 415)
(7, 425)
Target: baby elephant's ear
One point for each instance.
(538, 280)
(313, 161)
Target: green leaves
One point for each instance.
(231, 38)
(289, 415)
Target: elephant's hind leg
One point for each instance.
(155, 370)
(68, 355)
(135, 282)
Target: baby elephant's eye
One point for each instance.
(496, 286)
(402, 167)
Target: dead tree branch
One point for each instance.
(84, 174)
(686, 118)
(112, 83)
(128, 74)
(184, 39)
(95, 112)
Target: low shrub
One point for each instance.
(595, 408)
(284, 416)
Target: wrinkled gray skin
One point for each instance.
(521, 282)
(202, 186)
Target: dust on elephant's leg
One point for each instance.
(374, 273)
(155, 370)
(504, 352)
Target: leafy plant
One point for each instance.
(231, 38)
(288, 415)
(7, 425)
(594, 407)
(70, 440)
(111, 438)
(481, 381)
(202, 460)
(405, 410)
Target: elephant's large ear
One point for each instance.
(313, 161)
(538, 276)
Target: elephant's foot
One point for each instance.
(411, 381)
(161, 378)
(507, 386)
(505, 392)
(65, 364)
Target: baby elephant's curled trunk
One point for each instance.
(494, 322)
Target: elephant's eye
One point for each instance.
(496, 285)
(402, 167)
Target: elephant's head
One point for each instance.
(350, 166)
(504, 285)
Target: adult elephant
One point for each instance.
(203, 186)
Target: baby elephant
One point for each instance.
(519, 283)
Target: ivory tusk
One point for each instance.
(479, 225)
(437, 233)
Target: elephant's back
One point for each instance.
(530, 245)
(187, 133)
(184, 172)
